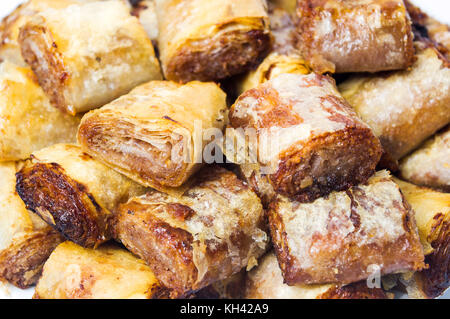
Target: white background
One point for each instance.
(439, 9)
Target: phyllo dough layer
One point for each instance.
(432, 212)
(211, 39)
(26, 241)
(430, 164)
(404, 108)
(86, 59)
(266, 282)
(73, 193)
(211, 232)
(28, 122)
(108, 272)
(11, 24)
(151, 134)
(309, 139)
(346, 236)
(355, 36)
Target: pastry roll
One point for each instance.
(284, 57)
(309, 140)
(430, 164)
(25, 240)
(10, 25)
(211, 232)
(266, 282)
(348, 235)
(404, 108)
(73, 193)
(108, 272)
(209, 40)
(432, 212)
(82, 62)
(355, 36)
(28, 122)
(151, 134)
(145, 11)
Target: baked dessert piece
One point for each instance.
(73, 193)
(108, 272)
(209, 40)
(11, 24)
(432, 212)
(26, 241)
(347, 236)
(152, 134)
(355, 36)
(308, 140)
(430, 164)
(211, 232)
(284, 56)
(266, 282)
(86, 60)
(404, 108)
(28, 122)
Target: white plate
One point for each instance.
(439, 9)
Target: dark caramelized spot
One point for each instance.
(180, 211)
(354, 216)
(47, 188)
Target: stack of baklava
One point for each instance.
(224, 149)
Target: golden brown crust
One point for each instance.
(83, 63)
(319, 144)
(356, 36)
(21, 263)
(49, 66)
(168, 248)
(150, 134)
(26, 241)
(233, 53)
(29, 121)
(432, 212)
(11, 24)
(77, 206)
(403, 108)
(70, 205)
(430, 164)
(73, 272)
(357, 148)
(338, 239)
(211, 232)
(266, 282)
(210, 40)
